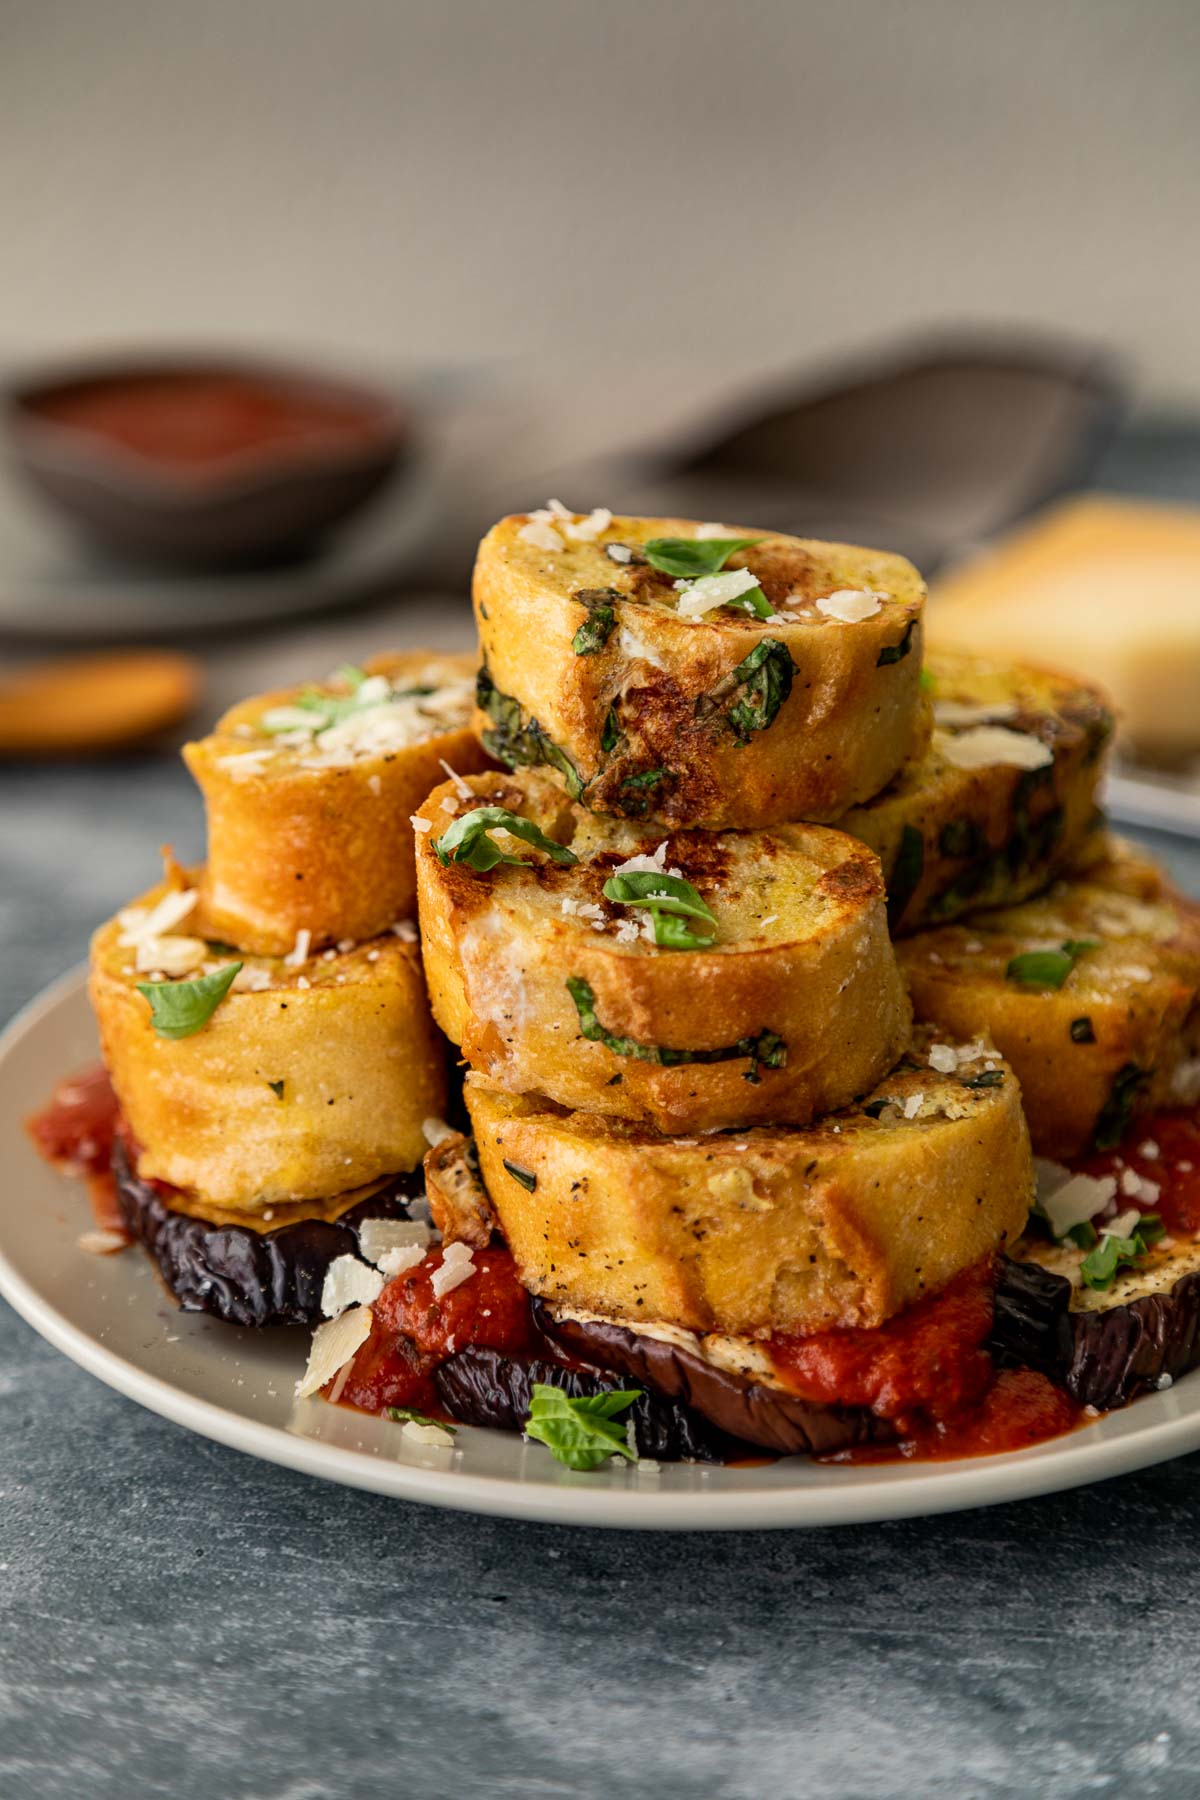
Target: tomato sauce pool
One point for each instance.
(196, 424)
(1163, 1149)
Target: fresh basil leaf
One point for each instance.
(467, 840)
(894, 653)
(1084, 1235)
(767, 1050)
(408, 1415)
(648, 778)
(754, 602)
(670, 900)
(687, 558)
(988, 1078)
(1049, 968)
(1116, 1113)
(218, 948)
(518, 741)
(1112, 1253)
(906, 874)
(610, 737)
(581, 1431)
(352, 676)
(646, 887)
(596, 629)
(277, 1088)
(526, 1177)
(757, 688)
(1083, 1031)
(595, 632)
(178, 1009)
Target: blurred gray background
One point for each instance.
(725, 186)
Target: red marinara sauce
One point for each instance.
(413, 1331)
(1163, 1148)
(196, 422)
(928, 1371)
(75, 1132)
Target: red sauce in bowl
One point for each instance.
(199, 423)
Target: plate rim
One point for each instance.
(1064, 1463)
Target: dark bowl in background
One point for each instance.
(268, 502)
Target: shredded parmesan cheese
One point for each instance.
(457, 1266)
(334, 1344)
(850, 605)
(993, 746)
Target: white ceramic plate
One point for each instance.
(111, 1316)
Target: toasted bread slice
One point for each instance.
(597, 665)
(308, 821)
(311, 1076)
(795, 1008)
(1001, 800)
(770, 1230)
(1118, 1037)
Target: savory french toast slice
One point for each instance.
(697, 674)
(685, 979)
(1002, 797)
(248, 1080)
(1091, 992)
(308, 793)
(770, 1230)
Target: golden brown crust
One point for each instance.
(661, 690)
(1119, 1038)
(842, 1224)
(952, 839)
(296, 844)
(348, 1036)
(802, 968)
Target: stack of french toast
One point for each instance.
(767, 942)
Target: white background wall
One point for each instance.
(734, 185)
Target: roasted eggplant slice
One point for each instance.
(1103, 1347)
(243, 1274)
(750, 1410)
(485, 1387)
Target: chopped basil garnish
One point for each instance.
(468, 841)
(1083, 1031)
(610, 737)
(928, 681)
(986, 1079)
(670, 900)
(1117, 1111)
(906, 873)
(647, 779)
(596, 629)
(408, 1415)
(330, 709)
(1049, 968)
(526, 1177)
(178, 1009)
(768, 1050)
(518, 741)
(756, 689)
(894, 653)
(580, 1431)
(754, 602)
(688, 558)
(277, 1088)
(1112, 1253)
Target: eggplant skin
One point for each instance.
(1103, 1357)
(485, 1387)
(239, 1275)
(746, 1411)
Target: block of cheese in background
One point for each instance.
(1109, 587)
